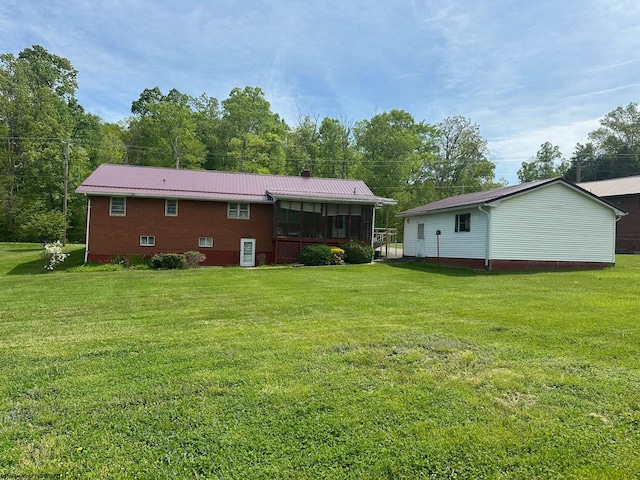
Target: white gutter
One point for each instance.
(487, 251)
(86, 241)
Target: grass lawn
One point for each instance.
(388, 370)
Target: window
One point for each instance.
(238, 210)
(421, 231)
(118, 206)
(147, 241)
(171, 207)
(463, 222)
(205, 242)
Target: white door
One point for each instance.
(247, 252)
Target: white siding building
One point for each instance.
(544, 224)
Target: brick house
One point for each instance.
(232, 218)
(625, 194)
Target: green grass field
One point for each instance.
(388, 370)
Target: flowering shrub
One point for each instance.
(338, 255)
(194, 259)
(53, 255)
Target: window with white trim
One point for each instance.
(147, 241)
(421, 231)
(117, 206)
(463, 222)
(205, 242)
(171, 207)
(238, 210)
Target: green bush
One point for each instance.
(167, 261)
(357, 252)
(316, 255)
(42, 227)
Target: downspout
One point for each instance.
(86, 241)
(487, 260)
(615, 237)
(373, 225)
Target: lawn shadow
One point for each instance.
(453, 271)
(421, 265)
(36, 267)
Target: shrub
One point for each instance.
(194, 259)
(42, 227)
(316, 255)
(357, 252)
(53, 255)
(338, 256)
(167, 261)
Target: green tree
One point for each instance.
(164, 131)
(461, 163)
(547, 163)
(613, 149)
(250, 132)
(394, 151)
(38, 115)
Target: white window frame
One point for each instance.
(421, 231)
(166, 207)
(116, 212)
(205, 242)
(238, 210)
(463, 222)
(147, 240)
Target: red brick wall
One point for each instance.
(628, 227)
(110, 236)
(478, 263)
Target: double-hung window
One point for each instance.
(171, 207)
(118, 206)
(238, 210)
(463, 222)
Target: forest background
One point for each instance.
(50, 144)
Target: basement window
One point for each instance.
(118, 206)
(147, 241)
(171, 207)
(205, 242)
(238, 210)
(463, 222)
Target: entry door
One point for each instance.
(247, 252)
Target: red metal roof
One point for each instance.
(128, 180)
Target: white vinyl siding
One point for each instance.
(452, 244)
(554, 223)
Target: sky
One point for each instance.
(526, 72)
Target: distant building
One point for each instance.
(625, 194)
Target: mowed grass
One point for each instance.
(389, 370)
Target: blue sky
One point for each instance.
(525, 71)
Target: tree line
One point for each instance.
(50, 144)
